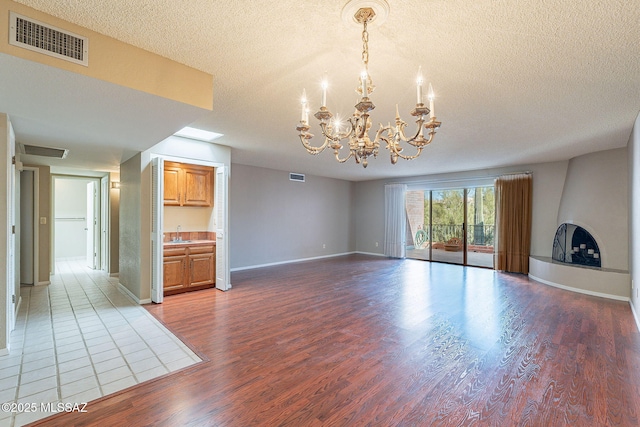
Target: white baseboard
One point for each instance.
(114, 274)
(4, 351)
(371, 253)
(250, 267)
(580, 291)
(48, 282)
(134, 298)
(635, 315)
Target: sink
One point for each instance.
(179, 241)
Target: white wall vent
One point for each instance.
(43, 38)
(34, 150)
(296, 177)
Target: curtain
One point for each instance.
(395, 220)
(513, 219)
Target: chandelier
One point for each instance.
(356, 129)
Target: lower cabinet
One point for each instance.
(189, 268)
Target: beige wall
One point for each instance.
(276, 220)
(114, 225)
(45, 230)
(117, 62)
(189, 218)
(595, 198)
(131, 224)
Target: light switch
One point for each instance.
(43, 220)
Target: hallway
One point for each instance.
(79, 339)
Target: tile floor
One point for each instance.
(78, 339)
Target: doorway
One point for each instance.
(214, 219)
(77, 220)
(454, 226)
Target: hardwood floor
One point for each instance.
(360, 340)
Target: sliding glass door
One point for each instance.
(447, 207)
(481, 226)
(454, 225)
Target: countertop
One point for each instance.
(189, 243)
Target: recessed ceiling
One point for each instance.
(516, 82)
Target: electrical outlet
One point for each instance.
(376, 244)
(324, 246)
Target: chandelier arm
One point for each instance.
(334, 139)
(402, 156)
(419, 136)
(337, 154)
(379, 136)
(304, 138)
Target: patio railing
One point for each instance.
(478, 235)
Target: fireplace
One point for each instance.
(575, 245)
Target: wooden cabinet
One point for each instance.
(189, 268)
(187, 185)
(202, 262)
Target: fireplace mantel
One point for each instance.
(601, 282)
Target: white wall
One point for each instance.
(273, 219)
(634, 216)
(595, 198)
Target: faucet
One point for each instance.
(178, 238)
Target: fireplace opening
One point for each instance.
(575, 245)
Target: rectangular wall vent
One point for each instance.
(43, 38)
(296, 177)
(34, 150)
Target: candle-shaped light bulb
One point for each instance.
(303, 101)
(397, 114)
(432, 96)
(363, 79)
(324, 92)
(419, 87)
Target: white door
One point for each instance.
(157, 210)
(104, 222)
(93, 234)
(222, 230)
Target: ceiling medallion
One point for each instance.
(356, 129)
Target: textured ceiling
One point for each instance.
(516, 82)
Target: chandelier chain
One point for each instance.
(365, 47)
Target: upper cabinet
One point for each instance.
(187, 185)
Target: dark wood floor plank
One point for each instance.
(361, 340)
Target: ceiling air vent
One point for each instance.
(296, 177)
(34, 150)
(39, 37)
